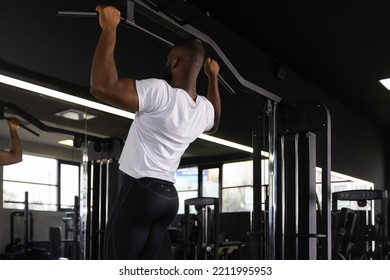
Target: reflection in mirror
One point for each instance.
(47, 182)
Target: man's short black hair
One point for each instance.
(193, 46)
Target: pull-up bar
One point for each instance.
(23, 126)
(185, 30)
(131, 23)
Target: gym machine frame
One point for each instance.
(298, 127)
(104, 180)
(29, 227)
(381, 237)
(204, 203)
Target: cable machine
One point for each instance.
(353, 238)
(104, 179)
(303, 231)
(206, 244)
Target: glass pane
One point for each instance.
(183, 196)
(237, 174)
(237, 199)
(33, 169)
(69, 184)
(40, 197)
(210, 182)
(342, 182)
(186, 179)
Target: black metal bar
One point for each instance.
(326, 243)
(26, 225)
(273, 189)
(37, 123)
(257, 232)
(63, 13)
(306, 188)
(76, 229)
(23, 126)
(77, 13)
(184, 30)
(189, 30)
(130, 23)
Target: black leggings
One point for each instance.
(139, 218)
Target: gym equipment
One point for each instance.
(227, 247)
(13, 109)
(300, 232)
(24, 248)
(72, 232)
(182, 27)
(21, 125)
(357, 195)
(205, 242)
(104, 180)
(234, 239)
(343, 227)
(21, 232)
(2, 116)
(365, 242)
(55, 243)
(32, 249)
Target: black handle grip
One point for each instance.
(77, 13)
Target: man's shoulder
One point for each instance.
(153, 81)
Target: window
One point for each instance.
(69, 184)
(210, 182)
(44, 179)
(237, 192)
(186, 185)
(237, 185)
(342, 182)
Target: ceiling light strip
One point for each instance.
(64, 96)
(385, 83)
(225, 143)
(105, 108)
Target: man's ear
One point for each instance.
(175, 61)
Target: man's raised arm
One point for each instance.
(105, 83)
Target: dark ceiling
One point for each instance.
(342, 46)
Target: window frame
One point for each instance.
(67, 162)
(57, 205)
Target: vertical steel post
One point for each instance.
(282, 210)
(83, 204)
(257, 217)
(326, 243)
(270, 110)
(26, 227)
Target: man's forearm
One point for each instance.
(104, 73)
(15, 146)
(214, 98)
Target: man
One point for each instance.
(169, 116)
(14, 155)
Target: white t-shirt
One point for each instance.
(167, 121)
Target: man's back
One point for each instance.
(168, 120)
